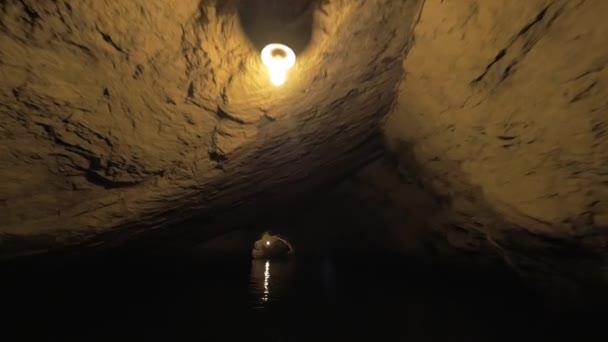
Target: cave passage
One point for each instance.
(303, 170)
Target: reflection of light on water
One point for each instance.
(263, 288)
(266, 279)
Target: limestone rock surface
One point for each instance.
(503, 116)
(120, 117)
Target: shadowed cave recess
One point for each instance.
(466, 138)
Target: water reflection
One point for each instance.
(269, 281)
(266, 277)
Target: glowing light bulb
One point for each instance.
(278, 59)
(267, 243)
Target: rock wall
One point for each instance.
(121, 117)
(497, 151)
(503, 116)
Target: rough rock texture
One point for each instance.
(503, 115)
(124, 116)
(120, 117)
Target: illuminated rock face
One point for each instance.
(503, 118)
(121, 117)
(118, 118)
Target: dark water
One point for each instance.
(304, 299)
